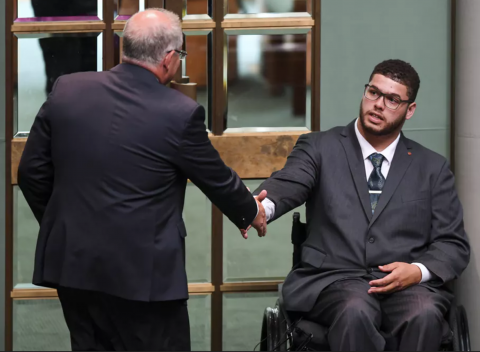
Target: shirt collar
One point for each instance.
(368, 150)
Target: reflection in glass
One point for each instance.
(269, 258)
(269, 78)
(267, 6)
(199, 310)
(197, 7)
(39, 325)
(242, 319)
(59, 10)
(42, 58)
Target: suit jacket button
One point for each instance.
(371, 239)
(370, 270)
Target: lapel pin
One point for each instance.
(409, 153)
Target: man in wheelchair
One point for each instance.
(385, 233)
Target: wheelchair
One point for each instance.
(281, 332)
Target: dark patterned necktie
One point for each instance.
(376, 180)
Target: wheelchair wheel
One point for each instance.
(270, 330)
(464, 330)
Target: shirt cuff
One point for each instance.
(269, 208)
(426, 274)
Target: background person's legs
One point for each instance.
(352, 315)
(415, 318)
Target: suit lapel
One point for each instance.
(357, 166)
(400, 163)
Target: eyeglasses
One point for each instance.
(182, 53)
(391, 101)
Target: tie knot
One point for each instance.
(376, 159)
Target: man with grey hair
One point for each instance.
(104, 171)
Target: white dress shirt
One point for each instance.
(367, 150)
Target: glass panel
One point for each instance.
(268, 80)
(59, 10)
(197, 217)
(25, 233)
(199, 310)
(124, 9)
(39, 325)
(344, 76)
(197, 7)
(254, 259)
(267, 6)
(195, 66)
(242, 319)
(197, 214)
(42, 58)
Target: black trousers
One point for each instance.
(100, 322)
(409, 320)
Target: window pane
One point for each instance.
(344, 75)
(197, 217)
(254, 259)
(42, 58)
(242, 319)
(39, 325)
(268, 80)
(199, 310)
(195, 66)
(197, 214)
(268, 6)
(197, 7)
(59, 10)
(25, 233)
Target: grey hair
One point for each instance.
(150, 45)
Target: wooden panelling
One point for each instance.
(42, 293)
(251, 155)
(63, 27)
(264, 286)
(264, 23)
(186, 25)
(255, 155)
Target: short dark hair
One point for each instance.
(401, 72)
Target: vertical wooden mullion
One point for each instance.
(218, 123)
(217, 280)
(108, 40)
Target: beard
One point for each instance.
(390, 128)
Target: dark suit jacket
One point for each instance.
(418, 218)
(105, 170)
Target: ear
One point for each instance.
(411, 110)
(167, 61)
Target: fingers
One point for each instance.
(387, 280)
(394, 286)
(389, 268)
(262, 196)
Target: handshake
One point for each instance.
(260, 222)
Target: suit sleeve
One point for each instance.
(293, 185)
(202, 164)
(449, 252)
(36, 171)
